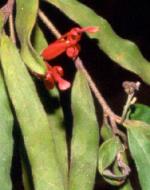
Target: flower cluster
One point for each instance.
(67, 43)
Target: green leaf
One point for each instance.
(106, 131)
(26, 14)
(108, 163)
(107, 153)
(140, 112)
(38, 39)
(56, 116)
(85, 139)
(32, 118)
(6, 139)
(122, 51)
(126, 183)
(139, 144)
(59, 135)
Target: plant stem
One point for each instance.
(95, 90)
(11, 28)
(126, 106)
(49, 24)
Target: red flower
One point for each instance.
(54, 75)
(67, 43)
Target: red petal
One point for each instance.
(63, 84)
(91, 29)
(73, 51)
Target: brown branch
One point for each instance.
(11, 28)
(107, 110)
(49, 24)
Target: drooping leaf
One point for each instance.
(55, 116)
(26, 14)
(6, 139)
(126, 184)
(139, 144)
(84, 144)
(122, 51)
(108, 164)
(32, 118)
(140, 112)
(107, 153)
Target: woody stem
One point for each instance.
(95, 90)
(11, 28)
(49, 24)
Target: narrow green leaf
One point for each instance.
(6, 139)
(139, 144)
(38, 39)
(59, 135)
(26, 13)
(84, 144)
(32, 118)
(140, 112)
(122, 51)
(107, 153)
(56, 117)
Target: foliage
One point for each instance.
(31, 103)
